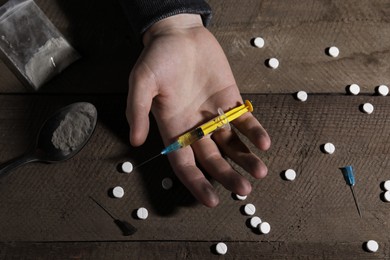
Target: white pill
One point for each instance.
(264, 227)
(255, 221)
(290, 174)
(118, 192)
(127, 167)
(273, 63)
(250, 209)
(372, 246)
(221, 248)
(302, 96)
(167, 183)
(329, 148)
(386, 185)
(259, 42)
(142, 213)
(354, 89)
(386, 196)
(239, 197)
(333, 51)
(383, 90)
(368, 108)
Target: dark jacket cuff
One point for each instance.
(144, 13)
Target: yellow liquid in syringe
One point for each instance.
(218, 122)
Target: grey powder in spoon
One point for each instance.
(74, 129)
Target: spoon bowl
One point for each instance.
(61, 136)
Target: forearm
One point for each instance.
(144, 13)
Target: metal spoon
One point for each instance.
(61, 137)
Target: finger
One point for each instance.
(139, 102)
(210, 158)
(251, 128)
(183, 164)
(235, 149)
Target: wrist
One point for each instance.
(172, 23)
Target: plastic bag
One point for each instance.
(31, 46)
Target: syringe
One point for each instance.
(221, 121)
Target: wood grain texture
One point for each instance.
(185, 250)
(295, 32)
(45, 210)
(49, 202)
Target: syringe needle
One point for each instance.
(145, 162)
(350, 180)
(356, 202)
(126, 227)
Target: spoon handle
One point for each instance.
(12, 164)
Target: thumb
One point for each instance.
(139, 101)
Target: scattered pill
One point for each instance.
(239, 197)
(372, 246)
(118, 192)
(258, 42)
(167, 183)
(386, 185)
(302, 96)
(383, 90)
(333, 51)
(221, 248)
(142, 213)
(273, 63)
(249, 209)
(329, 148)
(264, 227)
(255, 221)
(127, 167)
(368, 108)
(290, 174)
(354, 89)
(386, 196)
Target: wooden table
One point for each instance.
(46, 212)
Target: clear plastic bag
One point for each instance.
(31, 45)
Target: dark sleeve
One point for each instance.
(144, 13)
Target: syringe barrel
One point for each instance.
(190, 137)
(209, 127)
(184, 140)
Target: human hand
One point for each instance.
(183, 76)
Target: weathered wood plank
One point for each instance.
(312, 217)
(50, 202)
(296, 32)
(186, 250)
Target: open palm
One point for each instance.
(183, 76)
